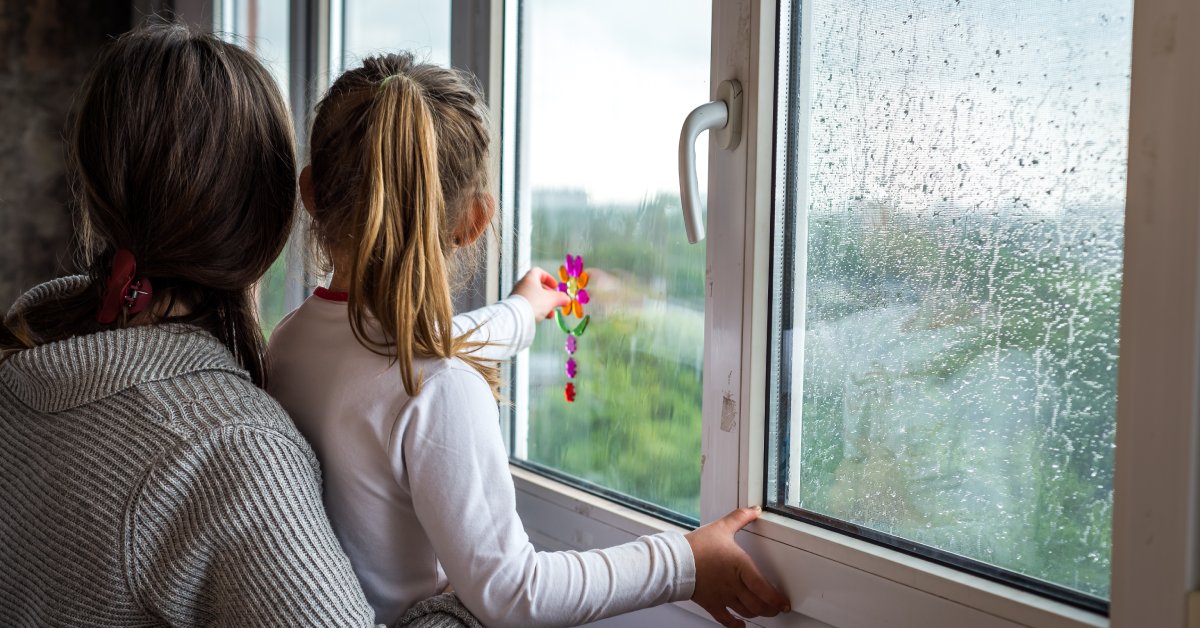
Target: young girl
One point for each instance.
(400, 402)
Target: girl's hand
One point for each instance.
(726, 578)
(540, 288)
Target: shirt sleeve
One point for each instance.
(507, 326)
(456, 467)
(230, 531)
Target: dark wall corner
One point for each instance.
(46, 49)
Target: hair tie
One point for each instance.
(122, 290)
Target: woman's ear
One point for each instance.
(476, 221)
(307, 195)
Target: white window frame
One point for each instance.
(838, 580)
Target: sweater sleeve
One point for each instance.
(507, 326)
(229, 530)
(463, 495)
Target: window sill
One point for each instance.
(850, 582)
(576, 519)
(831, 579)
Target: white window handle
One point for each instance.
(723, 115)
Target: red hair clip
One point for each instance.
(123, 290)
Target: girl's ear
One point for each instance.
(475, 221)
(306, 191)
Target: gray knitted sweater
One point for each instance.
(145, 481)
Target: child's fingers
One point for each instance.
(548, 281)
(725, 619)
(742, 610)
(560, 300)
(534, 272)
(753, 605)
(757, 585)
(739, 518)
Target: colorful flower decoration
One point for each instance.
(573, 281)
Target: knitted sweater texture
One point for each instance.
(145, 481)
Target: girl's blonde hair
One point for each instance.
(399, 154)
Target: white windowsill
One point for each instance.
(859, 583)
(621, 519)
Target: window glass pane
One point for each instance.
(263, 28)
(949, 274)
(607, 90)
(380, 26)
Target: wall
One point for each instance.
(46, 48)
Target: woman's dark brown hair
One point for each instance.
(181, 151)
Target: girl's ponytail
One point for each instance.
(399, 153)
(399, 268)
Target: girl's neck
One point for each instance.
(340, 281)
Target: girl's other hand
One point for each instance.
(726, 578)
(540, 288)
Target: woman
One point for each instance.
(145, 477)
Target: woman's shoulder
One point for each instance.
(226, 420)
(203, 404)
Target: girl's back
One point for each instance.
(418, 488)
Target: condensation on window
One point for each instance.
(959, 279)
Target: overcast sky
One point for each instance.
(612, 81)
(983, 88)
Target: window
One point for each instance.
(604, 89)
(375, 26)
(949, 274)
(263, 28)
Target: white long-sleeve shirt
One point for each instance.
(419, 491)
